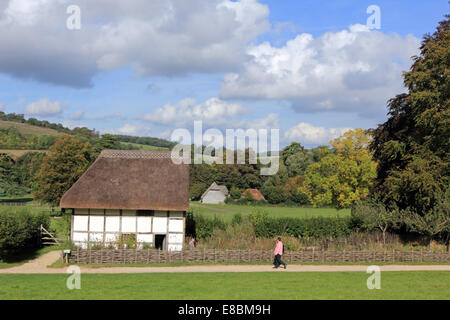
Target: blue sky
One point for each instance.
(310, 68)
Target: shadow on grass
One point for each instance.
(25, 256)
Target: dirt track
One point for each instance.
(40, 264)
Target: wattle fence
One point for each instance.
(143, 256)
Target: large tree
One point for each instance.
(343, 177)
(64, 163)
(412, 146)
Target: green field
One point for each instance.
(270, 285)
(144, 146)
(226, 211)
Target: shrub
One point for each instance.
(235, 193)
(202, 227)
(275, 194)
(196, 190)
(19, 230)
(300, 197)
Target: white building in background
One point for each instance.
(215, 194)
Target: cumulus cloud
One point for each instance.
(213, 112)
(43, 107)
(2, 106)
(310, 135)
(348, 70)
(168, 38)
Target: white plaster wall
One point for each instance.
(128, 224)
(112, 224)
(80, 223)
(148, 238)
(144, 224)
(175, 238)
(175, 225)
(96, 223)
(80, 236)
(160, 224)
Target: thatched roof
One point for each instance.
(255, 194)
(132, 180)
(215, 187)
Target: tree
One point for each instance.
(64, 163)
(373, 214)
(294, 188)
(412, 146)
(196, 190)
(297, 163)
(342, 178)
(290, 150)
(430, 224)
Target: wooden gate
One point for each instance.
(49, 238)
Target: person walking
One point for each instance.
(278, 252)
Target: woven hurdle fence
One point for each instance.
(143, 256)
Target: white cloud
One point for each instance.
(310, 135)
(43, 107)
(346, 70)
(213, 112)
(77, 115)
(2, 106)
(170, 37)
(129, 130)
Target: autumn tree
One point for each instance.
(64, 163)
(343, 177)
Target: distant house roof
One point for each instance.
(215, 187)
(254, 193)
(132, 180)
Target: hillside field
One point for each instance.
(25, 128)
(15, 154)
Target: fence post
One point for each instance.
(204, 254)
(313, 255)
(148, 255)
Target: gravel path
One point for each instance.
(40, 264)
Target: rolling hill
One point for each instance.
(25, 128)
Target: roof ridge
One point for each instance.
(136, 154)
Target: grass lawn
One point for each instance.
(226, 211)
(271, 285)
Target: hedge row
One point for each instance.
(15, 199)
(19, 230)
(202, 227)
